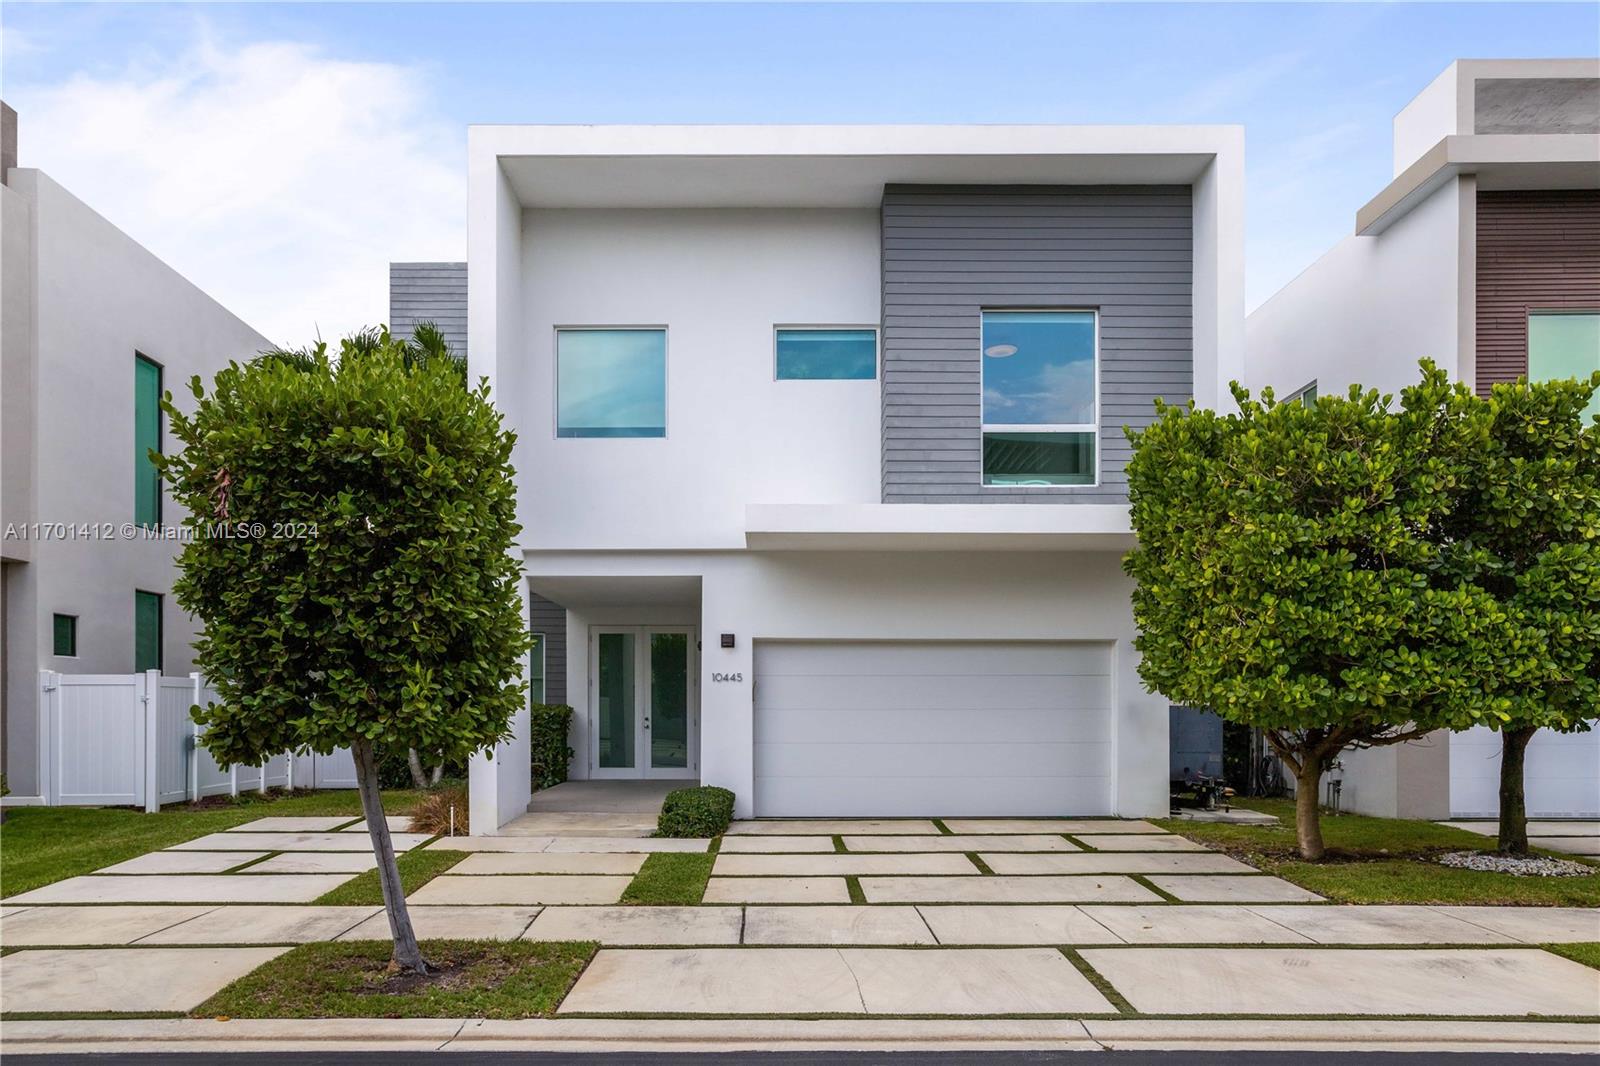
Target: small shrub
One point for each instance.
(432, 812)
(695, 812)
(547, 741)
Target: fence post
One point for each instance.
(49, 720)
(194, 740)
(150, 699)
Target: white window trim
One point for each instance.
(1299, 395)
(555, 377)
(812, 327)
(1059, 427)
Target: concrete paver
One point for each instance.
(777, 890)
(168, 979)
(263, 925)
(974, 981)
(840, 865)
(1533, 925)
(1464, 981)
(297, 824)
(1200, 924)
(186, 888)
(1074, 826)
(1108, 889)
(398, 823)
(1324, 924)
(1536, 827)
(625, 844)
(89, 925)
(522, 889)
(832, 826)
(516, 862)
(451, 923)
(1143, 842)
(1114, 862)
(1017, 924)
(233, 840)
(766, 844)
(183, 862)
(504, 843)
(1573, 845)
(638, 925)
(579, 823)
(959, 842)
(835, 925)
(316, 862)
(1258, 888)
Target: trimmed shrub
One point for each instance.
(547, 743)
(432, 813)
(695, 812)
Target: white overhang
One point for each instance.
(1500, 162)
(938, 527)
(828, 166)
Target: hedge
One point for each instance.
(704, 811)
(547, 743)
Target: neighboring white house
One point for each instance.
(1483, 254)
(92, 329)
(820, 447)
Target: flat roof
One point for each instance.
(829, 166)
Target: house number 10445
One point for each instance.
(719, 678)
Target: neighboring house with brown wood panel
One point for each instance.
(1482, 254)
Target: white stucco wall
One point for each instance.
(99, 297)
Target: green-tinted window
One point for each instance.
(66, 634)
(536, 669)
(146, 631)
(1564, 344)
(840, 354)
(146, 438)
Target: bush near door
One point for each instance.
(704, 811)
(547, 741)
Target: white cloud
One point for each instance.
(279, 179)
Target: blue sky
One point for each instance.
(317, 141)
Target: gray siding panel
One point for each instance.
(551, 620)
(430, 292)
(949, 252)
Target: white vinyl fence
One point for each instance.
(128, 740)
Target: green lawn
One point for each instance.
(1588, 954)
(475, 979)
(1384, 860)
(417, 868)
(670, 879)
(39, 845)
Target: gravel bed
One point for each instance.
(1533, 866)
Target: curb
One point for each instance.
(638, 1035)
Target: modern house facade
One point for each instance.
(820, 448)
(1482, 254)
(93, 328)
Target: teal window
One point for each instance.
(65, 640)
(146, 631)
(1564, 344)
(146, 438)
(807, 354)
(536, 670)
(1306, 396)
(1041, 404)
(611, 383)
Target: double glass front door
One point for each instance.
(644, 702)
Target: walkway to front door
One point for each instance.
(644, 702)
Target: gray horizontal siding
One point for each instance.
(951, 251)
(551, 620)
(430, 292)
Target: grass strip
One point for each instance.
(977, 860)
(1586, 953)
(838, 845)
(853, 886)
(670, 879)
(938, 823)
(1098, 980)
(417, 868)
(474, 979)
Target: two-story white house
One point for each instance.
(821, 443)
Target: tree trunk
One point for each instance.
(407, 955)
(418, 778)
(1307, 820)
(1513, 802)
(438, 775)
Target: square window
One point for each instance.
(1564, 344)
(611, 383)
(1041, 404)
(816, 354)
(65, 640)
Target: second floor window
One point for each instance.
(1041, 408)
(146, 438)
(611, 383)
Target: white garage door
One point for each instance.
(932, 729)
(1561, 775)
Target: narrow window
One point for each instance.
(66, 635)
(146, 631)
(536, 670)
(1564, 344)
(814, 354)
(611, 383)
(1041, 409)
(146, 438)
(1305, 396)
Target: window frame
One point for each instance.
(555, 376)
(1299, 396)
(160, 599)
(55, 619)
(812, 327)
(139, 457)
(985, 428)
(542, 646)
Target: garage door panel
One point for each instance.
(1562, 774)
(833, 797)
(925, 658)
(989, 690)
(974, 723)
(914, 759)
